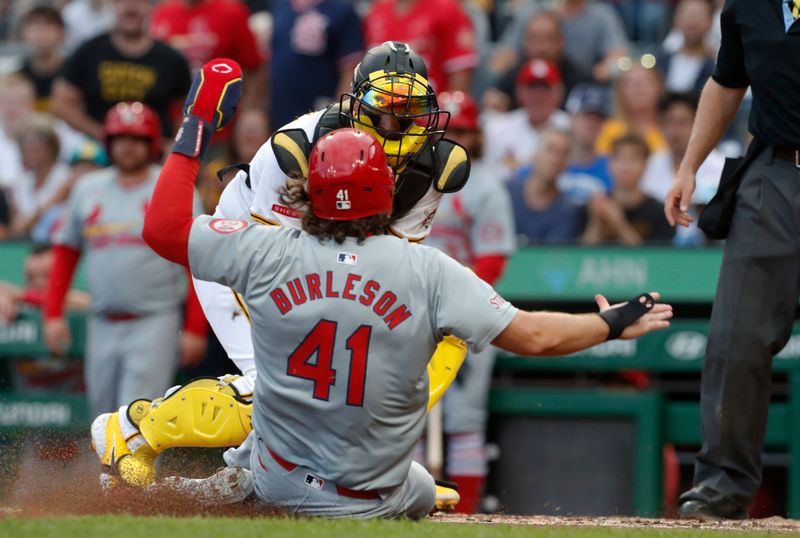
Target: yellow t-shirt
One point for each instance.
(614, 129)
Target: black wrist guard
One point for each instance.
(619, 317)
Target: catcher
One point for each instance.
(344, 317)
(391, 100)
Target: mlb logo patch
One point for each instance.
(314, 481)
(343, 205)
(347, 258)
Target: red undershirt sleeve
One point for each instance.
(65, 259)
(490, 267)
(169, 217)
(194, 318)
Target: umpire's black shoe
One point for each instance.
(697, 509)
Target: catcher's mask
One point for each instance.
(393, 101)
(348, 177)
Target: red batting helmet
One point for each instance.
(462, 108)
(349, 177)
(134, 119)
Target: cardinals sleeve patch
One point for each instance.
(227, 226)
(496, 301)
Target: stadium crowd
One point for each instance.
(586, 105)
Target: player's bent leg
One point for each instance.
(465, 416)
(206, 413)
(230, 320)
(415, 498)
(443, 367)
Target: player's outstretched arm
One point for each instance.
(557, 333)
(210, 105)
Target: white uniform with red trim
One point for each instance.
(260, 202)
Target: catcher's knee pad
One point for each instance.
(444, 365)
(206, 412)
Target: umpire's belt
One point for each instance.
(341, 490)
(787, 154)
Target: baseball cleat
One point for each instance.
(108, 441)
(229, 485)
(446, 499)
(122, 450)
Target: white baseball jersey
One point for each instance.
(260, 202)
(342, 337)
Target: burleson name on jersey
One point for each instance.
(312, 287)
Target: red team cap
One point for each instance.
(349, 177)
(462, 108)
(134, 119)
(542, 72)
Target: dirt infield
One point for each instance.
(66, 483)
(772, 524)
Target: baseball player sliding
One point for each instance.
(391, 100)
(344, 318)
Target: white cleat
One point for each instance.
(229, 485)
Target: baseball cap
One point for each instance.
(89, 151)
(589, 98)
(539, 72)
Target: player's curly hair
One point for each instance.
(294, 195)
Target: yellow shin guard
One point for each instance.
(443, 367)
(204, 413)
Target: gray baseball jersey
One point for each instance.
(342, 336)
(478, 220)
(105, 221)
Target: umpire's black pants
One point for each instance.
(751, 321)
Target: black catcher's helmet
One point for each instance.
(392, 79)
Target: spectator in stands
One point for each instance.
(646, 21)
(637, 92)
(628, 216)
(688, 69)
(543, 40)
(88, 156)
(512, 137)
(587, 175)
(87, 19)
(134, 291)
(677, 117)
(37, 268)
(542, 213)
(17, 98)
(206, 29)
(593, 32)
(123, 65)
(674, 40)
(39, 190)
(250, 132)
(42, 32)
(322, 37)
(438, 30)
